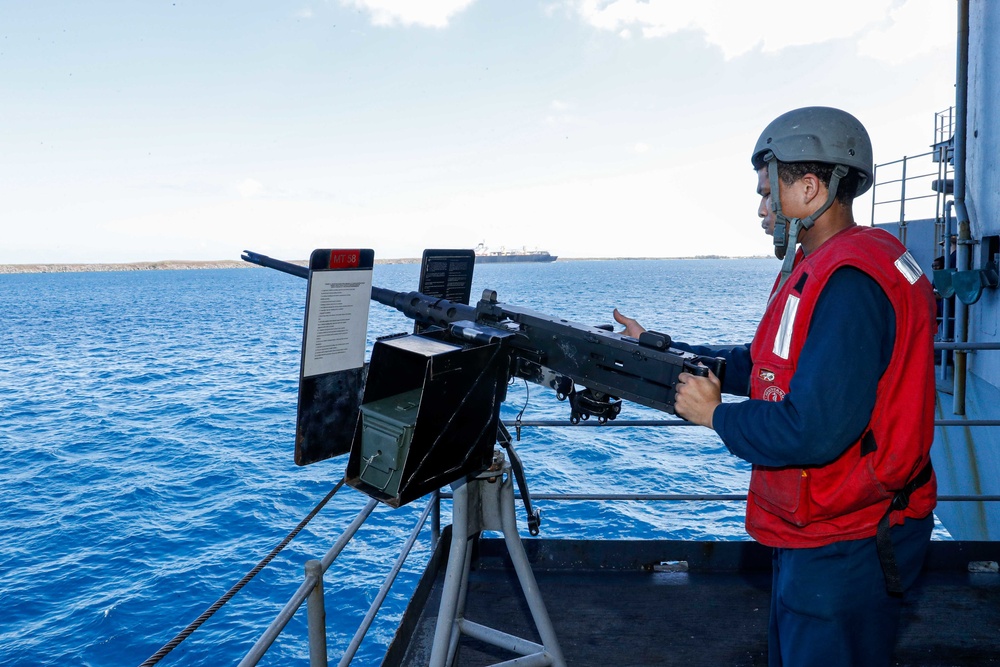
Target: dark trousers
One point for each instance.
(830, 607)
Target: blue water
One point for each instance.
(146, 439)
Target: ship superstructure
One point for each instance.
(945, 206)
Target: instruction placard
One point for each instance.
(336, 321)
(333, 372)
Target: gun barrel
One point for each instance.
(271, 263)
(423, 308)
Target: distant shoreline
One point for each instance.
(175, 265)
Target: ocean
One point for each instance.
(146, 453)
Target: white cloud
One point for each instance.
(561, 114)
(911, 29)
(640, 148)
(305, 13)
(889, 29)
(428, 13)
(250, 188)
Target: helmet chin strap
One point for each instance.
(786, 230)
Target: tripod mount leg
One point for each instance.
(486, 502)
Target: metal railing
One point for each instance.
(944, 130)
(898, 178)
(314, 578)
(901, 176)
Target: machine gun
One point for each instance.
(552, 351)
(457, 370)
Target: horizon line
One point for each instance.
(184, 264)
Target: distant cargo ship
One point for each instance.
(486, 256)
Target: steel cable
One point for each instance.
(186, 632)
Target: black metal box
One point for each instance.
(428, 417)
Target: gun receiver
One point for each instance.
(552, 351)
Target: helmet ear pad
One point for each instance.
(780, 233)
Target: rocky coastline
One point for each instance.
(165, 265)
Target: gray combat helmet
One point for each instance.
(818, 134)
(811, 134)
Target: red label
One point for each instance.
(344, 259)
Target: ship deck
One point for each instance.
(611, 606)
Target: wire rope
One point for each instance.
(205, 615)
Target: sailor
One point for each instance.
(841, 386)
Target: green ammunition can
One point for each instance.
(386, 433)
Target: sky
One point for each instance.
(192, 130)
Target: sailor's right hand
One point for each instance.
(632, 328)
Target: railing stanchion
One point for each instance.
(436, 520)
(902, 205)
(316, 614)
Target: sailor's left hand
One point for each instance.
(632, 327)
(697, 397)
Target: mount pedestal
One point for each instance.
(486, 502)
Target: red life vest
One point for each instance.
(812, 506)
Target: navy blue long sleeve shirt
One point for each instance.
(832, 394)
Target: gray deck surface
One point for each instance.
(608, 610)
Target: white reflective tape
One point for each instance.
(783, 341)
(909, 267)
